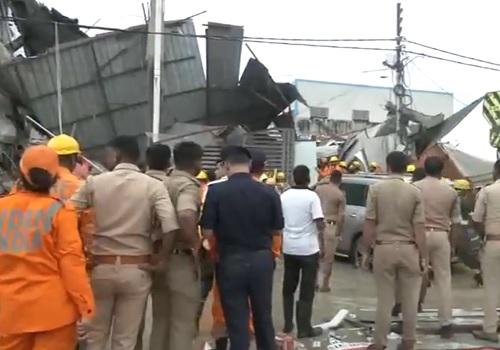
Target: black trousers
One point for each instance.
(246, 280)
(303, 269)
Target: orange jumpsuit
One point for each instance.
(67, 184)
(44, 288)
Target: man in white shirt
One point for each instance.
(302, 248)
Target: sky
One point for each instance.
(464, 27)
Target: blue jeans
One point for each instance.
(244, 277)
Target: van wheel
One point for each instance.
(355, 254)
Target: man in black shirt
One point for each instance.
(243, 215)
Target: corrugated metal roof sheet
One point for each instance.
(105, 84)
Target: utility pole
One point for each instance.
(157, 17)
(399, 89)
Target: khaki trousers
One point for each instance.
(121, 293)
(396, 266)
(159, 300)
(175, 317)
(62, 338)
(439, 248)
(490, 261)
(330, 241)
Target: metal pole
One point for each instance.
(398, 66)
(58, 78)
(50, 133)
(157, 65)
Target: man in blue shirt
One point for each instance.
(243, 215)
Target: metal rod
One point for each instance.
(58, 78)
(50, 133)
(157, 66)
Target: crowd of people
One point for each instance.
(80, 258)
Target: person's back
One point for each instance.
(331, 197)
(303, 244)
(439, 202)
(394, 224)
(396, 202)
(127, 204)
(259, 199)
(122, 228)
(333, 204)
(243, 215)
(44, 289)
(300, 233)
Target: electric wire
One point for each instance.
(452, 53)
(188, 35)
(302, 42)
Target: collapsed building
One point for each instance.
(106, 87)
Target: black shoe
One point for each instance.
(446, 332)
(396, 310)
(304, 328)
(221, 343)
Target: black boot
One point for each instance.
(304, 313)
(221, 343)
(288, 314)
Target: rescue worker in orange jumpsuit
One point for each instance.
(44, 289)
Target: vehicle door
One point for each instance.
(354, 214)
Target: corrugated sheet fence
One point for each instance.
(277, 144)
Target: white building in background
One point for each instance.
(346, 107)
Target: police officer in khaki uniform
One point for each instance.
(124, 201)
(442, 208)
(395, 224)
(182, 271)
(158, 161)
(333, 204)
(486, 218)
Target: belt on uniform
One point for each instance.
(331, 222)
(121, 259)
(185, 251)
(493, 237)
(380, 242)
(435, 229)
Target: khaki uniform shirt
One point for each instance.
(184, 189)
(160, 176)
(396, 207)
(441, 204)
(332, 200)
(487, 209)
(125, 202)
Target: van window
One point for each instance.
(355, 194)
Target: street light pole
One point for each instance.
(157, 18)
(399, 69)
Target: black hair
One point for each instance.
(434, 166)
(258, 162)
(301, 175)
(127, 147)
(158, 156)
(186, 154)
(397, 162)
(418, 174)
(336, 177)
(238, 155)
(41, 181)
